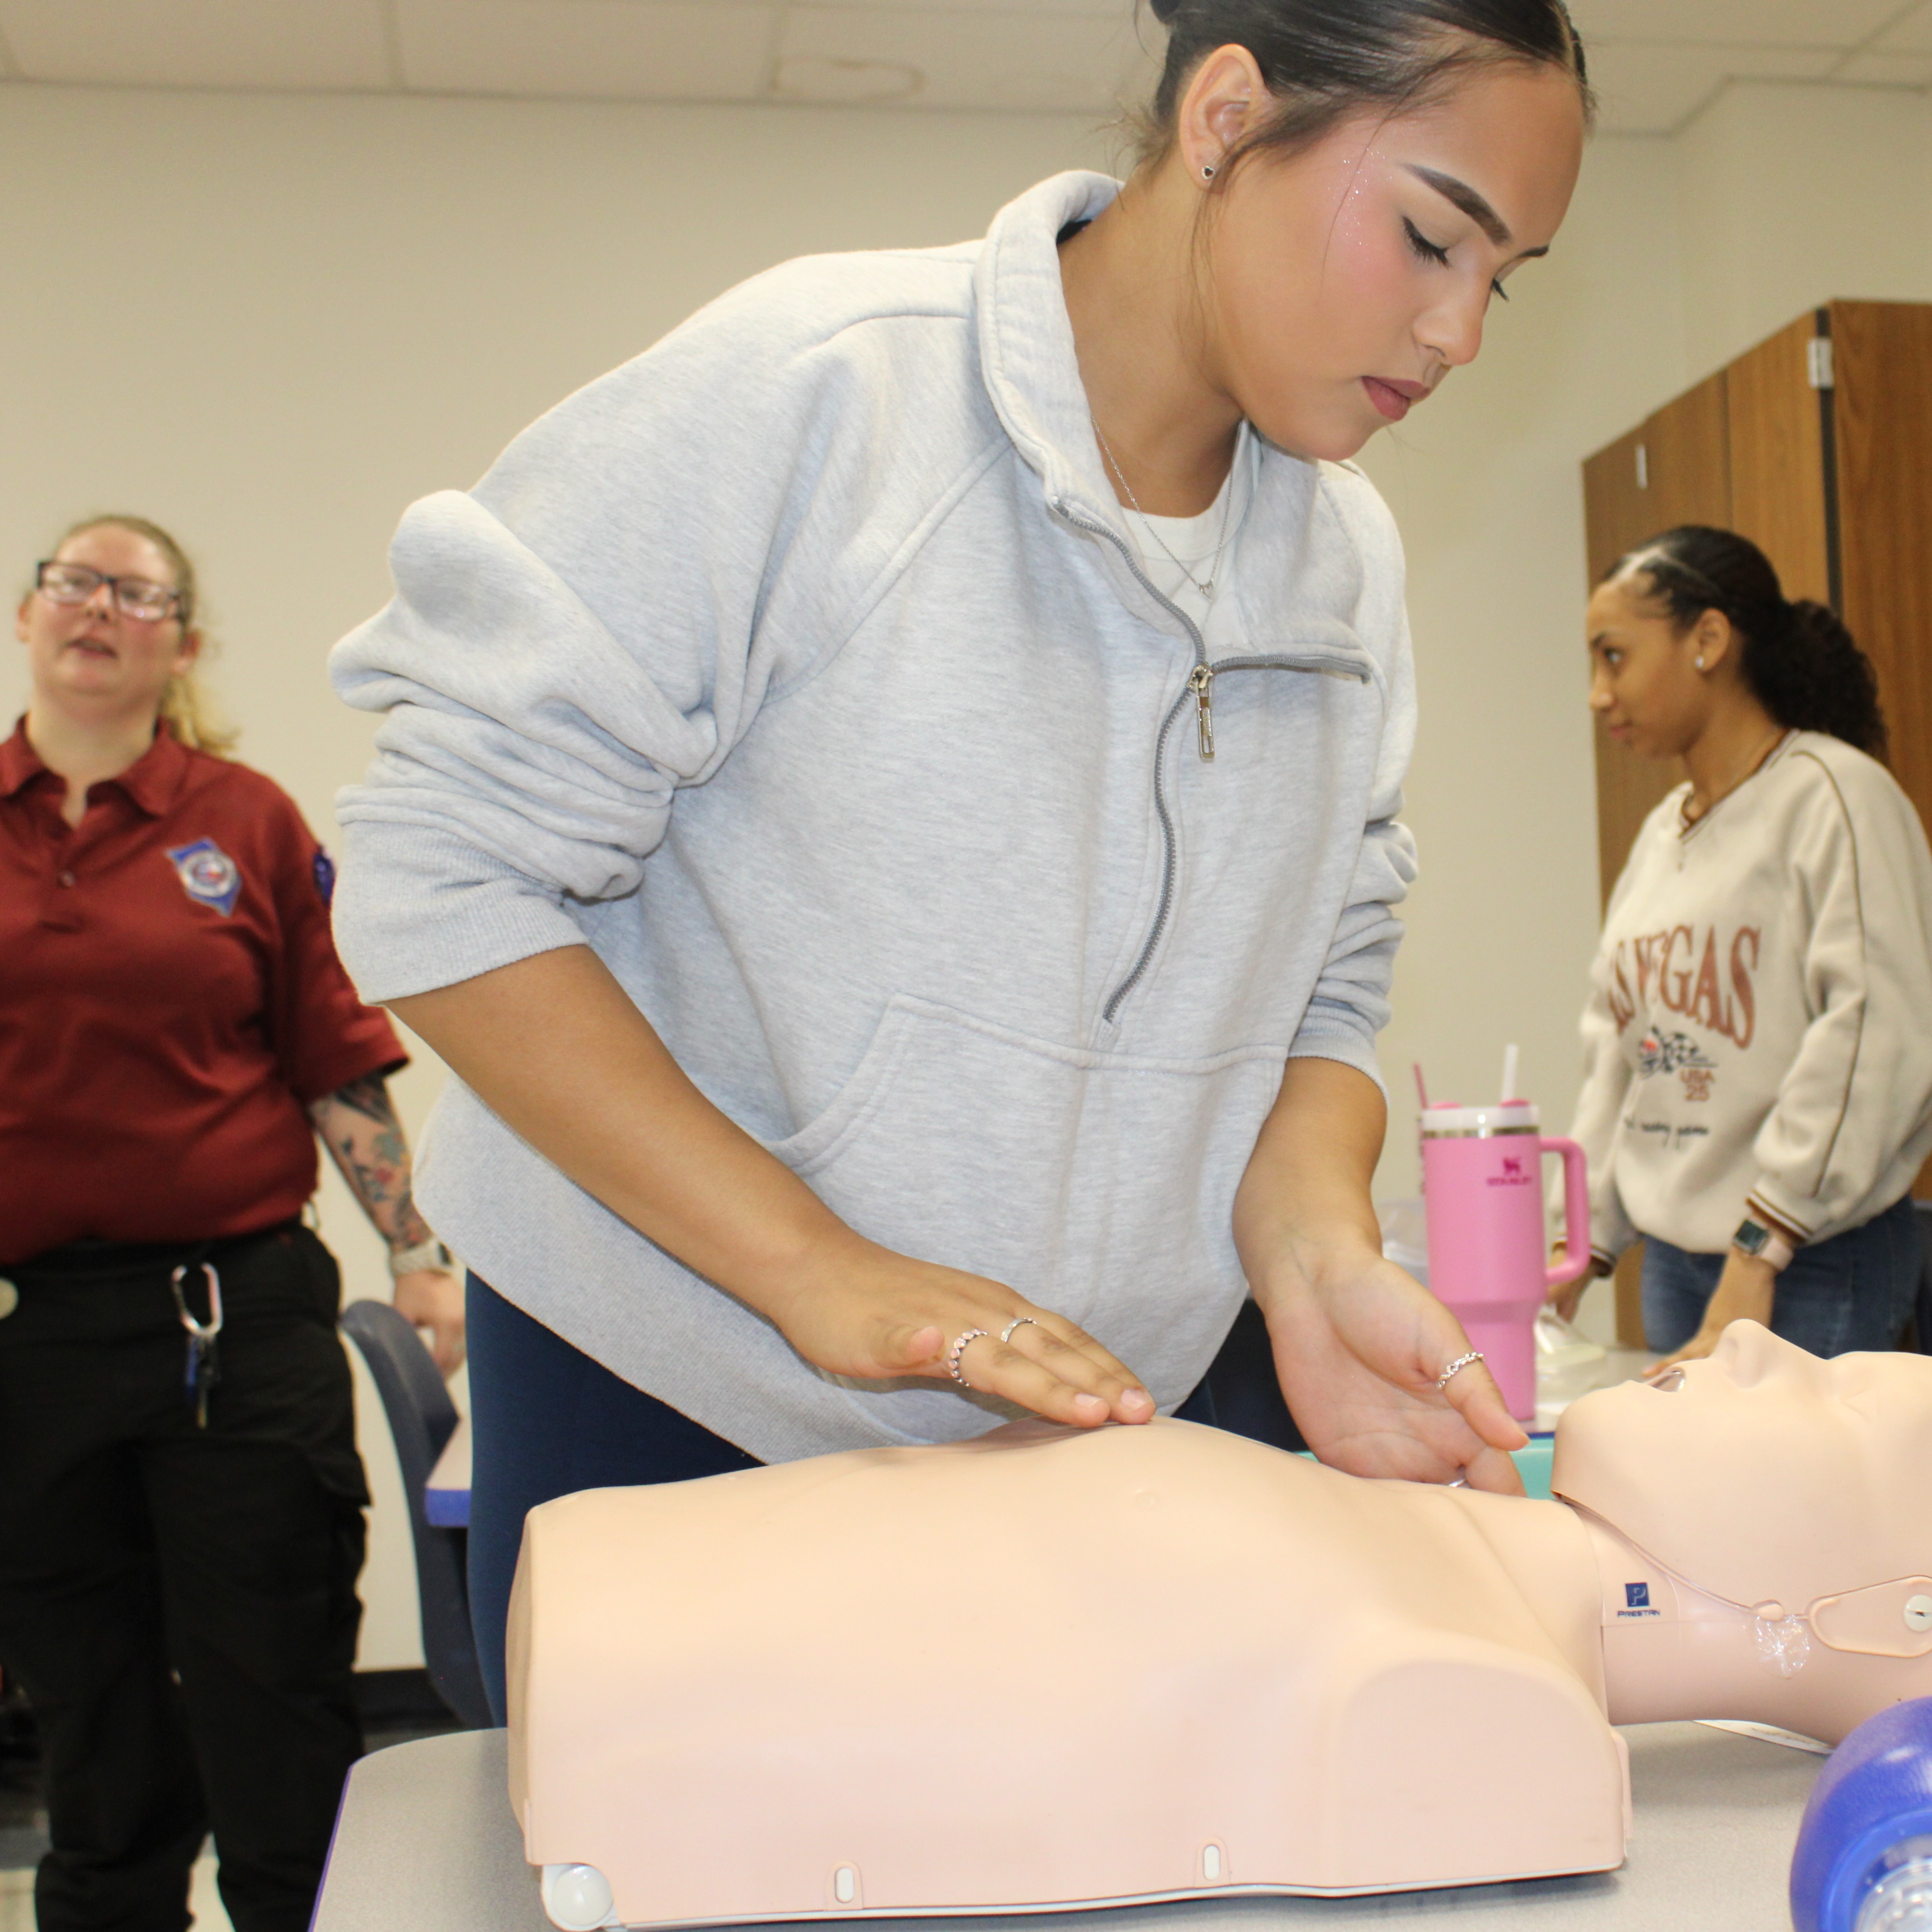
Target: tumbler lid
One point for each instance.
(1447, 1119)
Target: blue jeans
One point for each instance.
(1854, 1291)
(546, 1421)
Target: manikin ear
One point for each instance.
(1224, 101)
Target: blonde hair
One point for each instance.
(185, 707)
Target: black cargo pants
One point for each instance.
(179, 1604)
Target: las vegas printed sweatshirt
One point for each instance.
(1759, 1034)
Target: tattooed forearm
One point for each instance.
(357, 1125)
(368, 1096)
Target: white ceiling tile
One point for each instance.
(1648, 89)
(1078, 63)
(1116, 10)
(1754, 23)
(620, 49)
(278, 43)
(1888, 70)
(1913, 34)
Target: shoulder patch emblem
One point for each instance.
(208, 875)
(325, 876)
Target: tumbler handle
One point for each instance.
(1576, 1213)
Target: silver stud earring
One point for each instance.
(1206, 172)
(1700, 663)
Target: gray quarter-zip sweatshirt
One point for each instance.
(803, 668)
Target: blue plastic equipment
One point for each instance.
(1864, 1861)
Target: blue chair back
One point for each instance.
(421, 1417)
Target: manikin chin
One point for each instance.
(1051, 1668)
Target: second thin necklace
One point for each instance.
(1207, 589)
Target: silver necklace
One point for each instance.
(1207, 589)
(1750, 770)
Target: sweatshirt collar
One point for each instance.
(1032, 373)
(1026, 340)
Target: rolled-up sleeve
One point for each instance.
(591, 627)
(525, 757)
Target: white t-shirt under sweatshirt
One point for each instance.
(1758, 1035)
(1181, 554)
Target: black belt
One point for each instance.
(91, 1260)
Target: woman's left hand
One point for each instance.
(1745, 1292)
(1358, 1344)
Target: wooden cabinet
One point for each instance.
(1817, 445)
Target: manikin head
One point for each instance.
(1781, 1482)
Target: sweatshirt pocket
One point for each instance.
(1098, 1185)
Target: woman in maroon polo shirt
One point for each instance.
(181, 1515)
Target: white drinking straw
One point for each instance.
(1509, 1073)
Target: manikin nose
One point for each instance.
(1749, 1353)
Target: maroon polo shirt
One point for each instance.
(170, 1003)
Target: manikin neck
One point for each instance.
(1673, 1652)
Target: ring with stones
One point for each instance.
(1456, 1368)
(958, 1349)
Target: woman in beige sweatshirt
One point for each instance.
(1757, 1097)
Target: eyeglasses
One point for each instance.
(134, 596)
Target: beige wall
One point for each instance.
(271, 321)
(1791, 195)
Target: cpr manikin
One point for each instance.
(1048, 1668)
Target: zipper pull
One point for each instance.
(1200, 682)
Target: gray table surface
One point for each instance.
(426, 1842)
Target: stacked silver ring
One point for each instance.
(958, 1349)
(1456, 1368)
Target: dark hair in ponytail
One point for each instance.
(1801, 663)
(1325, 61)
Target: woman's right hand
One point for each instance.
(865, 1311)
(604, 1101)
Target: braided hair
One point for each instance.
(1799, 661)
(1325, 61)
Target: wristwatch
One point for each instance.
(429, 1254)
(1766, 1244)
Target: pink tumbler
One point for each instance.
(1482, 1184)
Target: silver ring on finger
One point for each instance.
(1019, 1322)
(958, 1349)
(1457, 1367)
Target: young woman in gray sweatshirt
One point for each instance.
(887, 803)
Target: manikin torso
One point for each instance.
(1051, 1668)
